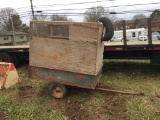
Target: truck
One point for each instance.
(14, 47)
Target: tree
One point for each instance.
(118, 24)
(140, 20)
(56, 17)
(139, 17)
(41, 16)
(5, 14)
(9, 16)
(17, 24)
(155, 15)
(24, 28)
(96, 12)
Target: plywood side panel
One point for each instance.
(67, 55)
(100, 50)
(99, 58)
(80, 32)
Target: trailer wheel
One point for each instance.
(109, 28)
(58, 90)
(5, 57)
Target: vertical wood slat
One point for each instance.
(31, 30)
(149, 31)
(51, 28)
(124, 33)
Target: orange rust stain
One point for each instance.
(41, 53)
(61, 54)
(67, 50)
(55, 58)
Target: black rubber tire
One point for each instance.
(6, 57)
(58, 90)
(15, 60)
(109, 28)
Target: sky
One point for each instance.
(49, 6)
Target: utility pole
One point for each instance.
(32, 9)
(13, 32)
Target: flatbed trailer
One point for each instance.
(112, 50)
(14, 53)
(134, 50)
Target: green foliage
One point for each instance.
(155, 15)
(17, 24)
(10, 17)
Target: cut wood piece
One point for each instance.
(118, 91)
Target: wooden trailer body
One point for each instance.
(68, 48)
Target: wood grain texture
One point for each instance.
(81, 53)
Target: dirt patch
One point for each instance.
(3, 116)
(74, 111)
(116, 109)
(25, 92)
(72, 108)
(23, 88)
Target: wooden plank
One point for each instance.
(15, 47)
(31, 30)
(83, 33)
(95, 24)
(100, 49)
(59, 37)
(64, 55)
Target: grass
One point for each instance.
(35, 103)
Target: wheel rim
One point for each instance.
(57, 92)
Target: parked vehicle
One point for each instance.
(140, 34)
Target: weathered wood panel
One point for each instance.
(63, 55)
(80, 32)
(81, 52)
(99, 58)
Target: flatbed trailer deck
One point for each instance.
(149, 49)
(16, 47)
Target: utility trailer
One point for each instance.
(14, 47)
(66, 53)
(149, 49)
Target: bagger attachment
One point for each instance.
(8, 75)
